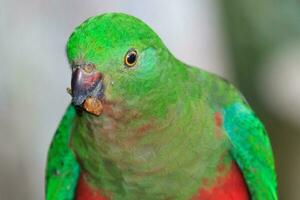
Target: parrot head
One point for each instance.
(114, 57)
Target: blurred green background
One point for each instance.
(254, 44)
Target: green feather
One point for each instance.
(252, 150)
(62, 168)
(156, 138)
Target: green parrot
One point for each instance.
(143, 125)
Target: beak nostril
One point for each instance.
(89, 68)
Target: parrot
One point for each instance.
(143, 125)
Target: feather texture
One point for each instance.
(166, 129)
(62, 168)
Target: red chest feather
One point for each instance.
(230, 187)
(85, 192)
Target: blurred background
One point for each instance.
(255, 44)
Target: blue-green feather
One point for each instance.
(251, 149)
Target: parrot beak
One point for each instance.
(87, 88)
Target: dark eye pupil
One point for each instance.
(131, 58)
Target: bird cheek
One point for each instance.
(109, 85)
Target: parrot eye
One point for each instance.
(130, 58)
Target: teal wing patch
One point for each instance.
(252, 151)
(62, 168)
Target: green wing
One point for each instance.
(252, 151)
(62, 168)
